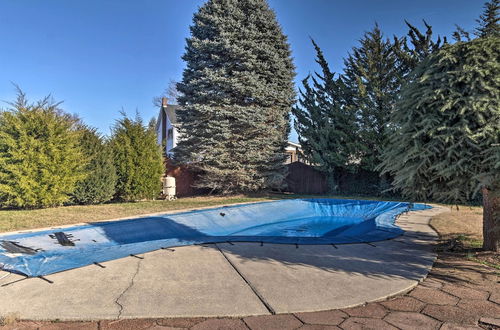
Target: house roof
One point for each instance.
(170, 111)
(292, 146)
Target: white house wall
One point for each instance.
(171, 142)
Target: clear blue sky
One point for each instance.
(99, 56)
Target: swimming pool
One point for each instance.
(294, 221)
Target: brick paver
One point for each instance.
(139, 324)
(319, 327)
(433, 296)
(273, 322)
(464, 292)
(454, 326)
(457, 295)
(483, 308)
(452, 314)
(355, 323)
(370, 310)
(221, 324)
(180, 322)
(495, 297)
(404, 304)
(412, 320)
(334, 317)
(490, 321)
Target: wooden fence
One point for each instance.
(305, 179)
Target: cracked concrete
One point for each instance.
(198, 281)
(117, 301)
(89, 290)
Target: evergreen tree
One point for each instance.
(416, 46)
(325, 125)
(237, 92)
(460, 34)
(99, 184)
(40, 157)
(373, 81)
(447, 145)
(138, 159)
(488, 21)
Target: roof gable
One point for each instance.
(170, 111)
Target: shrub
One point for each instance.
(99, 184)
(40, 158)
(138, 159)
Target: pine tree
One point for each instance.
(448, 142)
(460, 34)
(416, 46)
(138, 159)
(40, 157)
(99, 183)
(373, 80)
(488, 21)
(237, 92)
(325, 125)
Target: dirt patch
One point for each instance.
(461, 234)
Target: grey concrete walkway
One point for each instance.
(238, 279)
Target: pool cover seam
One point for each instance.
(261, 298)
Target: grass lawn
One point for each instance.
(12, 220)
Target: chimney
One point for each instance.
(164, 102)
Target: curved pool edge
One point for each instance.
(118, 239)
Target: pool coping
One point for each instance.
(178, 211)
(139, 216)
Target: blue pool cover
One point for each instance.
(295, 221)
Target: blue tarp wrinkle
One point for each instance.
(295, 221)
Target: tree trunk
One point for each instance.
(331, 182)
(491, 220)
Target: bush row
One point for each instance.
(50, 158)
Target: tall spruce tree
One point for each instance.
(325, 125)
(488, 21)
(237, 92)
(373, 80)
(448, 142)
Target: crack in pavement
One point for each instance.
(131, 284)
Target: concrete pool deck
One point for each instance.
(238, 279)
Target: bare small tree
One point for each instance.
(171, 93)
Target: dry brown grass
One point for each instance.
(9, 319)
(13, 220)
(461, 233)
(465, 224)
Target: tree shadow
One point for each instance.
(404, 257)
